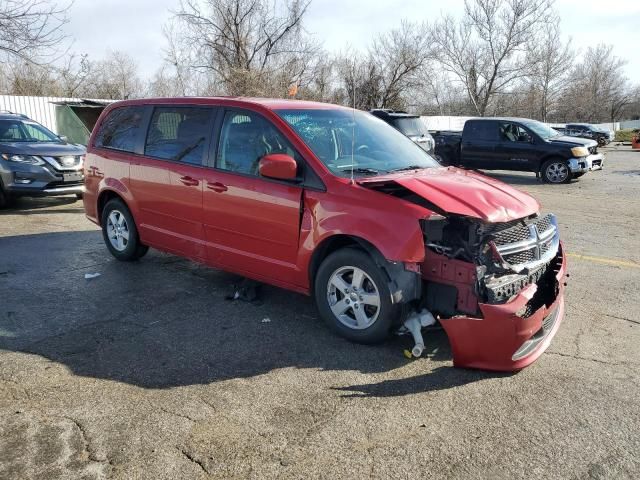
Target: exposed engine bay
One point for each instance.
(469, 261)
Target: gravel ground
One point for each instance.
(147, 372)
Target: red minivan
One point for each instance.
(334, 203)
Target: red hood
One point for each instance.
(464, 193)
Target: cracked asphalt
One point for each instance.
(146, 372)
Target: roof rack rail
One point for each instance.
(14, 113)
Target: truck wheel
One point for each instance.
(3, 198)
(555, 170)
(120, 233)
(602, 142)
(353, 297)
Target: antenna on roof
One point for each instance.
(353, 124)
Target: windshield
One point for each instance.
(375, 148)
(411, 126)
(21, 131)
(543, 131)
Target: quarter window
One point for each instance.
(247, 137)
(121, 129)
(179, 134)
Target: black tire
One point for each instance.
(550, 169)
(79, 196)
(4, 201)
(386, 313)
(602, 142)
(133, 249)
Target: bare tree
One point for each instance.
(554, 61)
(116, 77)
(28, 78)
(398, 56)
(32, 29)
(599, 90)
(73, 74)
(391, 68)
(248, 46)
(488, 50)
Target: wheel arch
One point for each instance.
(551, 156)
(404, 285)
(105, 196)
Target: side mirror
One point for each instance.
(278, 165)
(63, 138)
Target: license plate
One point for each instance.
(72, 177)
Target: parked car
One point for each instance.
(586, 130)
(519, 144)
(35, 162)
(282, 192)
(410, 125)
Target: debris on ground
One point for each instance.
(89, 276)
(266, 320)
(246, 291)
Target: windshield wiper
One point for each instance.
(410, 167)
(364, 170)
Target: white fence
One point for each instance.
(456, 124)
(39, 109)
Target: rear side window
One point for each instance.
(481, 130)
(179, 134)
(121, 129)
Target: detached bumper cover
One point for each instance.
(507, 338)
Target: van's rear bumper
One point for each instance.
(502, 339)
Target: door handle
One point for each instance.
(217, 187)
(189, 181)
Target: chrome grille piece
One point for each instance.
(66, 162)
(528, 245)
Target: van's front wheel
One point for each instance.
(120, 233)
(353, 296)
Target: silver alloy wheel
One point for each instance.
(557, 172)
(353, 297)
(117, 230)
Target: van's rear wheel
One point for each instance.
(353, 297)
(120, 233)
(556, 170)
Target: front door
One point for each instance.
(515, 149)
(251, 223)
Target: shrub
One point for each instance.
(625, 135)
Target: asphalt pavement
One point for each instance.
(147, 372)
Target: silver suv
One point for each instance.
(35, 161)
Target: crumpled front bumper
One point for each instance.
(595, 162)
(586, 164)
(503, 340)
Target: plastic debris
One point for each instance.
(414, 324)
(266, 320)
(408, 354)
(89, 276)
(246, 291)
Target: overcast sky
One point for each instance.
(134, 26)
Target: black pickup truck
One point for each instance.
(518, 144)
